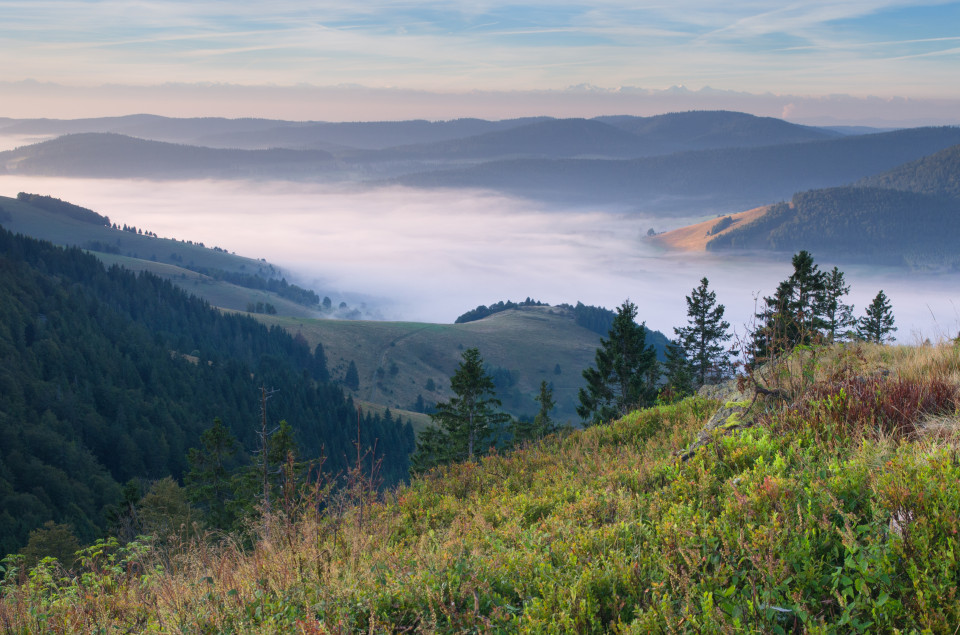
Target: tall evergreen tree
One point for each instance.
(464, 425)
(837, 316)
(793, 315)
(625, 371)
(352, 379)
(542, 423)
(877, 324)
(702, 339)
(208, 481)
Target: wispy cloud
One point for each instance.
(818, 46)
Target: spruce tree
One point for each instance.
(793, 316)
(702, 340)
(837, 316)
(876, 325)
(625, 371)
(467, 423)
(542, 423)
(677, 373)
(352, 379)
(208, 482)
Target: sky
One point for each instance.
(816, 61)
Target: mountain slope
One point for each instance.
(108, 375)
(832, 511)
(181, 262)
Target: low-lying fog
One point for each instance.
(431, 255)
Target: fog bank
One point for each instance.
(432, 255)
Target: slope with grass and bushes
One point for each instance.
(833, 509)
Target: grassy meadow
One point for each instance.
(397, 361)
(835, 512)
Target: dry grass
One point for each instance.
(695, 237)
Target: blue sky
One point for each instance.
(886, 49)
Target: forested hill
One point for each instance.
(108, 376)
(935, 175)
(855, 224)
(907, 216)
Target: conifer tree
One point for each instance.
(837, 316)
(467, 423)
(877, 323)
(208, 482)
(542, 423)
(677, 373)
(625, 371)
(702, 340)
(793, 315)
(352, 379)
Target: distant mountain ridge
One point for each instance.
(696, 130)
(721, 180)
(695, 162)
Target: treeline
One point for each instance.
(485, 311)
(596, 319)
(109, 376)
(57, 206)
(282, 288)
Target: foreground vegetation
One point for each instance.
(836, 511)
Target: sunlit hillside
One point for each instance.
(833, 510)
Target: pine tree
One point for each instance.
(467, 423)
(702, 340)
(625, 372)
(877, 323)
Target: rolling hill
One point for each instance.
(398, 361)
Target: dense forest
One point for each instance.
(108, 376)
